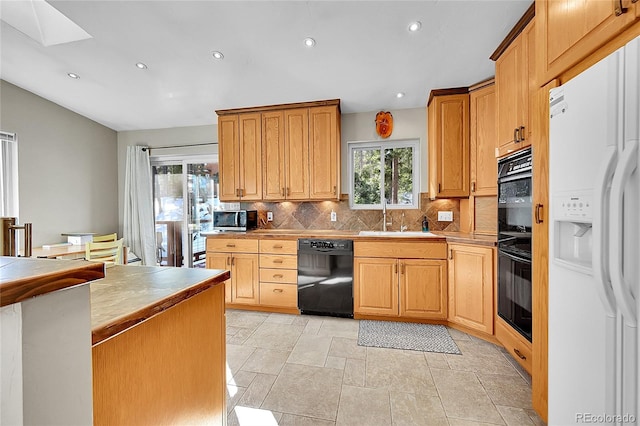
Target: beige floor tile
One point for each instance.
(313, 325)
(275, 336)
(480, 358)
(347, 348)
(248, 416)
(231, 330)
(245, 319)
(464, 397)
(514, 416)
(306, 391)
(470, 347)
(234, 393)
(237, 355)
(310, 350)
(354, 372)
(335, 362)
(436, 360)
(398, 370)
(363, 406)
(240, 378)
(266, 361)
(461, 422)
(241, 336)
(280, 318)
(293, 420)
(510, 391)
(257, 391)
(457, 334)
(300, 320)
(537, 421)
(408, 409)
(339, 327)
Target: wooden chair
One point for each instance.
(105, 238)
(109, 252)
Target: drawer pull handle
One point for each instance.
(228, 261)
(517, 352)
(231, 245)
(473, 187)
(279, 246)
(619, 9)
(521, 133)
(278, 276)
(278, 290)
(277, 261)
(538, 216)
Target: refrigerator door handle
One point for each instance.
(599, 258)
(621, 290)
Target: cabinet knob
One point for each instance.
(473, 187)
(451, 254)
(279, 246)
(233, 260)
(231, 245)
(517, 352)
(277, 261)
(395, 268)
(439, 188)
(278, 276)
(277, 290)
(515, 135)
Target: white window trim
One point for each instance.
(397, 143)
(9, 206)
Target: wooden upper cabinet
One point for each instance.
(280, 152)
(240, 157)
(228, 141)
(250, 156)
(448, 134)
(297, 154)
(273, 156)
(483, 130)
(514, 75)
(568, 31)
(324, 152)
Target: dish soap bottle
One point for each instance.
(425, 224)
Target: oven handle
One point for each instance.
(511, 178)
(516, 258)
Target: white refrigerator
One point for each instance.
(594, 234)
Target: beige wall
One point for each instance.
(67, 166)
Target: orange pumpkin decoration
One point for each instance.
(384, 124)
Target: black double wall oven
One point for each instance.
(514, 241)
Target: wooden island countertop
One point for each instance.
(129, 295)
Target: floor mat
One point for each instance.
(406, 335)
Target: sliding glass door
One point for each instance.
(185, 195)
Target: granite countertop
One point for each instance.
(452, 237)
(24, 277)
(129, 295)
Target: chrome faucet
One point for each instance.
(403, 227)
(384, 216)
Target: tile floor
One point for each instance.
(308, 370)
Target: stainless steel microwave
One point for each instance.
(237, 220)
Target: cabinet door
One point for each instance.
(510, 93)
(244, 278)
(569, 33)
(471, 287)
(423, 288)
(375, 283)
(324, 152)
(228, 140)
(451, 139)
(483, 129)
(221, 261)
(250, 156)
(297, 153)
(273, 156)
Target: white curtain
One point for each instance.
(139, 229)
(8, 175)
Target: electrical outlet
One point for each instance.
(334, 216)
(445, 216)
(269, 216)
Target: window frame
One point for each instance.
(414, 144)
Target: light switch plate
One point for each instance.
(445, 216)
(269, 216)
(334, 216)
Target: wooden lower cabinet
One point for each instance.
(243, 285)
(471, 283)
(408, 288)
(517, 346)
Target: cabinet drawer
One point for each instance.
(398, 249)
(279, 246)
(517, 346)
(284, 295)
(232, 245)
(284, 261)
(279, 275)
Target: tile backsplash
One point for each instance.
(317, 215)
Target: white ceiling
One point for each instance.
(364, 55)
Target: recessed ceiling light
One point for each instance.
(218, 55)
(400, 95)
(415, 26)
(73, 76)
(141, 66)
(309, 42)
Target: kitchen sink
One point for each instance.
(396, 234)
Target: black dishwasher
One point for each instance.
(325, 277)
